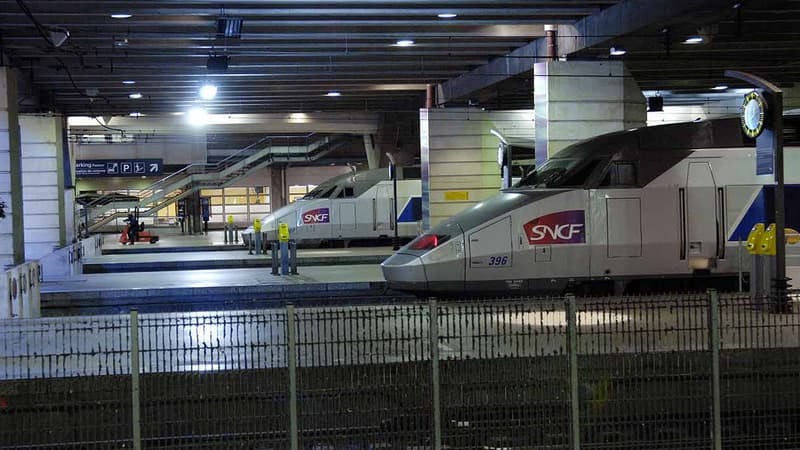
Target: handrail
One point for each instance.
(271, 157)
(152, 188)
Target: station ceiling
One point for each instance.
(292, 53)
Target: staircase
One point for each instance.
(264, 152)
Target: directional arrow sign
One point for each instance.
(153, 168)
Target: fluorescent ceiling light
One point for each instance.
(208, 91)
(617, 51)
(128, 82)
(121, 16)
(447, 15)
(333, 94)
(136, 114)
(405, 43)
(135, 95)
(692, 40)
(197, 117)
(178, 113)
(721, 87)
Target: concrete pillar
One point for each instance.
(43, 184)
(12, 237)
(373, 152)
(459, 157)
(277, 188)
(575, 100)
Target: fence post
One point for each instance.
(714, 346)
(291, 350)
(574, 399)
(433, 318)
(135, 412)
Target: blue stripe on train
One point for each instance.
(762, 210)
(412, 211)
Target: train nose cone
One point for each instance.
(405, 272)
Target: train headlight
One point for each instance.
(428, 241)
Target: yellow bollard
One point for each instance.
(754, 238)
(767, 245)
(283, 232)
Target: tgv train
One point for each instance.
(354, 206)
(656, 204)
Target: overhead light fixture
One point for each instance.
(617, 51)
(229, 27)
(694, 40)
(333, 94)
(208, 91)
(135, 95)
(128, 82)
(404, 43)
(178, 113)
(136, 114)
(720, 87)
(57, 36)
(447, 15)
(217, 63)
(121, 43)
(121, 16)
(197, 117)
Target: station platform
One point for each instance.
(213, 259)
(170, 240)
(210, 290)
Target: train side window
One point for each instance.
(579, 178)
(346, 192)
(328, 193)
(620, 174)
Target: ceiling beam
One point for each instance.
(623, 18)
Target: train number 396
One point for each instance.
(498, 260)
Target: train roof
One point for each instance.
(715, 133)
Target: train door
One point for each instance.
(489, 252)
(382, 208)
(699, 234)
(347, 218)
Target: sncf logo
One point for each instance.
(319, 215)
(565, 227)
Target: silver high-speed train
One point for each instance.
(655, 203)
(353, 206)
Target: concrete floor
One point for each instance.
(234, 255)
(213, 278)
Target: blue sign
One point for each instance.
(118, 167)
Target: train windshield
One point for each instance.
(550, 174)
(321, 191)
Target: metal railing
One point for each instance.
(672, 371)
(204, 175)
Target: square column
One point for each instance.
(576, 100)
(12, 238)
(46, 217)
(459, 157)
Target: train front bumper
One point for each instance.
(404, 272)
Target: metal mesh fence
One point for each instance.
(65, 381)
(759, 367)
(671, 371)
